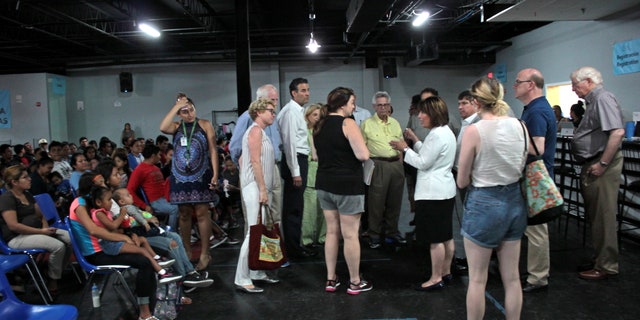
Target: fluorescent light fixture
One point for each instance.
(420, 18)
(313, 45)
(149, 30)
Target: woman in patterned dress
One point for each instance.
(194, 171)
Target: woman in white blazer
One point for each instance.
(435, 188)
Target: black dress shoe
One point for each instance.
(447, 278)
(435, 286)
(528, 287)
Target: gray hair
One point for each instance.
(587, 73)
(381, 94)
(263, 91)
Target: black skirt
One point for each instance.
(434, 221)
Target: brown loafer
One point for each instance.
(593, 274)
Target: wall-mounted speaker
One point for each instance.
(389, 68)
(126, 82)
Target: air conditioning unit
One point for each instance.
(421, 53)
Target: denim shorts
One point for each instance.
(345, 204)
(494, 214)
(111, 248)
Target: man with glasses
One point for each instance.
(294, 166)
(596, 145)
(540, 120)
(384, 196)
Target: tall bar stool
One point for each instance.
(567, 172)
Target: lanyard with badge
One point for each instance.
(186, 142)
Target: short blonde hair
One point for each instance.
(259, 105)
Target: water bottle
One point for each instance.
(95, 296)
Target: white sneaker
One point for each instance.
(166, 263)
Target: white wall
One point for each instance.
(213, 87)
(556, 49)
(29, 121)
(562, 47)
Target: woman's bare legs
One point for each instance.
(478, 258)
(184, 222)
(349, 224)
(509, 256)
(204, 227)
(332, 242)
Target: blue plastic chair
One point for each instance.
(49, 210)
(12, 308)
(106, 270)
(32, 267)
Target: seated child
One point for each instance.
(100, 204)
(141, 222)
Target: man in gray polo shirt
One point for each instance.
(596, 144)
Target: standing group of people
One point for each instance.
(319, 153)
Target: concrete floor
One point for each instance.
(393, 272)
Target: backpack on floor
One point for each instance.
(168, 297)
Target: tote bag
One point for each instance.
(544, 201)
(266, 248)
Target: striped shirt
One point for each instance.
(267, 160)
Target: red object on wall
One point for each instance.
(38, 104)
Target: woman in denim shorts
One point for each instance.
(492, 156)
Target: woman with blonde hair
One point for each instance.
(492, 155)
(314, 228)
(257, 166)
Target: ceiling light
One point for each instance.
(420, 19)
(313, 45)
(149, 30)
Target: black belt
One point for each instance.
(389, 159)
(302, 155)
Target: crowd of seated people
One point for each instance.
(57, 168)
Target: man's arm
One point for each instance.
(235, 145)
(135, 181)
(288, 135)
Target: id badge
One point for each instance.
(183, 141)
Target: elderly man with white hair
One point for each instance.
(384, 197)
(596, 145)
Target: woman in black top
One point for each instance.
(339, 181)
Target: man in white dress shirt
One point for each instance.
(294, 165)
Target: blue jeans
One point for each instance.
(182, 266)
(162, 206)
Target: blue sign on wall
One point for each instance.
(5, 109)
(501, 72)
(626, 57)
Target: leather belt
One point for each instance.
(389, 159)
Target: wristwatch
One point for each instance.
(405, 149)
(604, 164)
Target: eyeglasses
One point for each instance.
(386, 105)
(518, 82)
(273, 111)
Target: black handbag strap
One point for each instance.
(530, 139)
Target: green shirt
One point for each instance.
(377, 135)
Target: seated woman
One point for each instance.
(100, 203)
(88, 234)
(79, 164)
(169, 242)
(576, 113)
(24, 227)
